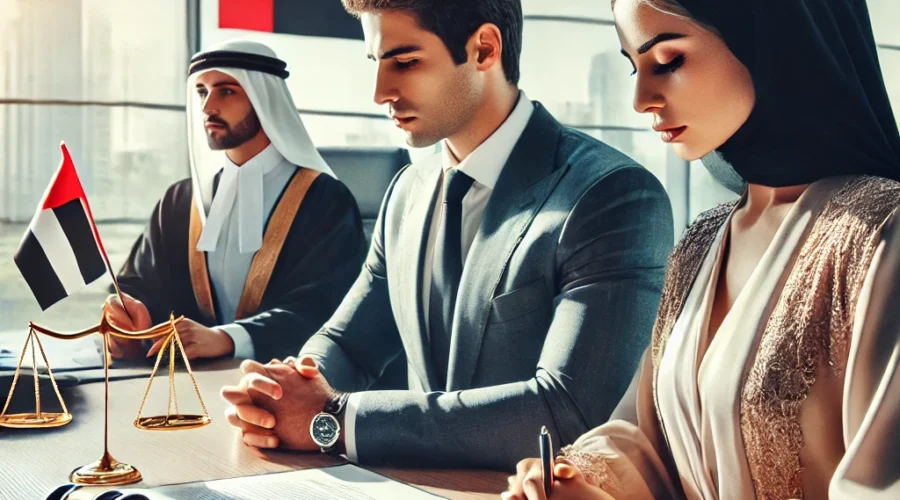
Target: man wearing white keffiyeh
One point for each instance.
(257, 248)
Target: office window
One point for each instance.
(580, 9)
(106, 77)
(885, 15)
(98, 75)
(890, 67)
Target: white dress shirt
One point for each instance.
(484, 165)
(228, 266)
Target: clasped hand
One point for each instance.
(274, 403)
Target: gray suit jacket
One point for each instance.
(555, 307)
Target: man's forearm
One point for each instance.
(488, 427)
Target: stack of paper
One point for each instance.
(347, 482)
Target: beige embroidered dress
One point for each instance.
(797, 395)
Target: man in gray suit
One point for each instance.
(519, 270)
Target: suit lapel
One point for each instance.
(414, 228)
(527, 179)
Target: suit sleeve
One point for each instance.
(361, 338)
(327, 249)
(611, 259)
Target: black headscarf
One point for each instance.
(821, 105)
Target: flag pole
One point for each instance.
(116, 285)
(68, 158)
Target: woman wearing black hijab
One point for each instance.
(773, 371)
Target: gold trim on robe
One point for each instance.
(264, 261)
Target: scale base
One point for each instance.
(105, 472)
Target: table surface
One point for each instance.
(34, 461)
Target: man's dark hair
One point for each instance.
(454, 21)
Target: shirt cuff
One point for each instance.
(243, 345)
(350, 426)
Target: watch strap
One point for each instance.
(337, 404)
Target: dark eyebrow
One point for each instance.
(220, 84)
(662, 37)
(403, 49)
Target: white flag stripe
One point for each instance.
(59, 252)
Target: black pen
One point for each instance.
(546, 458)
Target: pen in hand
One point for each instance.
(546, 447)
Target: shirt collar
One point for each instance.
(485, 163)
(240, 192)
(266, 161)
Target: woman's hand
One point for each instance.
(568, 483)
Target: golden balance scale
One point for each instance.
(107, 471)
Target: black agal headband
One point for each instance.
(241, 60)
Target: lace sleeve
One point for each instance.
(619, 456)
(594, 467)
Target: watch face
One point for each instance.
(325, 430)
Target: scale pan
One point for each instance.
(171, 422)
(33, 421)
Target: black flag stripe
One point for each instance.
(38, 272)
(324, 19)
(74, 222)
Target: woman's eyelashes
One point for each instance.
(662, 69)
(669, 67)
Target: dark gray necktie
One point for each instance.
(446, 270)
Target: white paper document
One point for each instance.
(63, 355)
(347, 482)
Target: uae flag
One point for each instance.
(290, 17)
(61, 252)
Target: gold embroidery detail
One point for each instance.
(595, 469)
(810, 325)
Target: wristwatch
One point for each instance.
(325, 428)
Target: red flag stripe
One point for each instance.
(65, 186)
(255, 15)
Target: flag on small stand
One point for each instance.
(61, 252)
